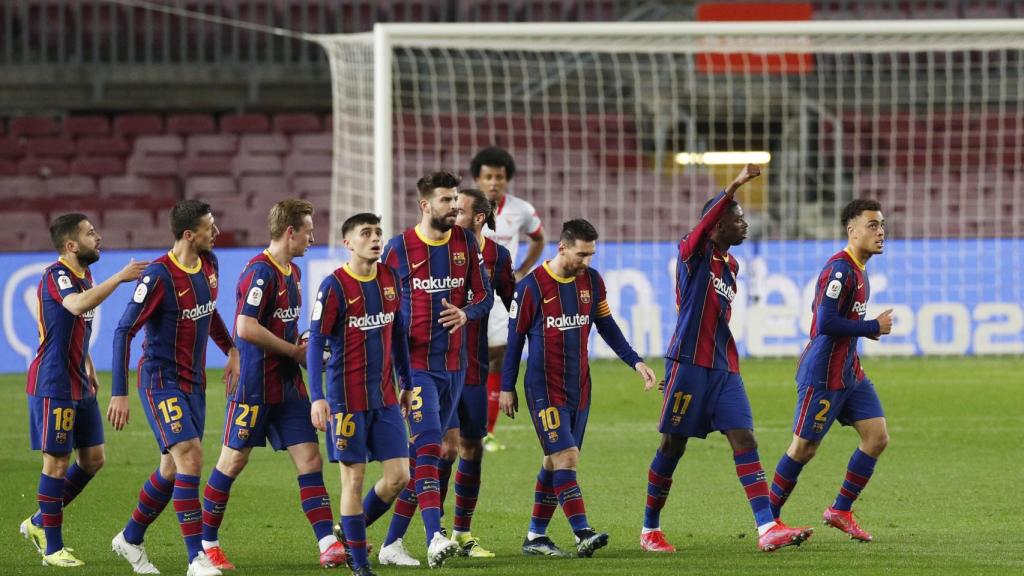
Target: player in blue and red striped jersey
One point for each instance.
(176, 302)
(63, 413)
(270, 401)
(555, 307)
(830, 382)
(468, 428)
(358, 313)
(703, 388)
(443, 287)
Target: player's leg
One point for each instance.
(388, 441)
(659, 484)
(496, 355)
(815, 411)
(472, 430)
(863, 410)
(49, 496)
(449, 453)
(353, 520)
(188, 460)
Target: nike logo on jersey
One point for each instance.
(416, 265)
(183, 292)
(353, 300)
(546, 300)
(859, 286)
(282, 292)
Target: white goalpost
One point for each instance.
(634, 125)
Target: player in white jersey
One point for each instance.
(493, 168)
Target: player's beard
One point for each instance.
(87, 257)
(441, 224)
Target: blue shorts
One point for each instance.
(558, 427)
(367, 435)
(435, 396)
(700, 400)
(174, 416)
(57, 426)
(471, 416)
(817, 408)
(285, 424)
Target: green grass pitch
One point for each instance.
(945, 498)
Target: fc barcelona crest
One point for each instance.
(585, 296)
(389, 293)
(176, 427)
(212, 278)
(341, 443)
(61, 437)
(676, 420)
(819, 427)
(243, 433)
(459, 258)
(417, 416)
(553, 436)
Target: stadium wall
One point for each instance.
(938, 309)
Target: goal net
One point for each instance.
(634, 126)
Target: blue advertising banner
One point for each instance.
(941, 303)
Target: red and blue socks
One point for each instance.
(51, 508)
(153, 498)
(751, 475)
(215, 501)
(858, 472)
(467, 489)
(190, 517)
(786, 473)
(373, 507)
(316, 504)
(659, 482)
(405, 504)
(571, 499)
(74, 482)
(428, 494)
(544, 503)
(444, 477)
(354, 528)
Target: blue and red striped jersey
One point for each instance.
(432, 271)
(555, 314)
(272, 295)
(178, 307)
(498, 266)
(59, 368)
(705, 289)
(361, 319)
(840, 302)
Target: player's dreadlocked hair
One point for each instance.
(481, 205)
(854, 208)
(430, 182)
(493, 156)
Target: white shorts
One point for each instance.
(497, 325)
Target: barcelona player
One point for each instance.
(555, 307)
(468, 428)
(443, 287)
(358, 314)
(270, 401)
(703, 389)
(831, 385)
(176, 302)
(63, 413)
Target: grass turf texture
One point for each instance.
(943, 499)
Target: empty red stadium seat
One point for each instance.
(211, 145)
(43, 166)
(191, 124)
(291, 123)
(8, 167)
(34, 126)
(158, 236)
(307, 165)
(240, 123)
(97, 165)
(60, 146)
(22, 187)
(136, 124)
(263, 186)
(128, 219)
(104, 146)
(264, 144)
(208, 165)
(312, 187)
(321, 143)
(12, 147)
(62, 186)
(163, 145)
(153, 166)
(245, 165)
(115, 237)
(210, 187)
(93, 125)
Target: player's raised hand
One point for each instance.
(320, 414)
(647, 374)
(231, 371)
(508, 403)
(132, 270)
(885, 321)
(749, 172)
(452, 317)
(117, 412)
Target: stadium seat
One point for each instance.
(413, 10)
(60, 146)
(191, 124)
(8, 167)
(97, 166)
(45, 167)
(103, 146)
(164, 145)
(22, 187)
(245, 165)
(208, 165)
(36, 239)
(263, 186)
(12, 147)
(158, 236)
(93, 125)
(264, 144)
(321, 143)
(242, 123)
(115, 238)
(292, 123)
(310, 187)
(127, 219)
(205, 187)
(138, 124)
(211, 145)
(64, 186)
(153, 166)
(307, 165)
(34, 126)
